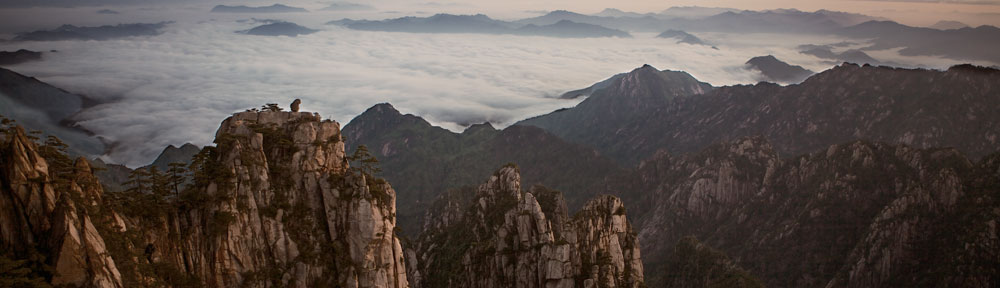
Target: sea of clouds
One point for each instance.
(177, 87)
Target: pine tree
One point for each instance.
(364, 161)
(178, 175)
(159, 185)
(60, 165)
(138, 181)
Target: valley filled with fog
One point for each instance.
(467, 143)
(173, 88)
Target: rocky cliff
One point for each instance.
(507, 237)
(859, 214)
(45, 214)
(274, 204)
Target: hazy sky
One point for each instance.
(911, 12)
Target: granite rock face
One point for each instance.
(41, 212)
(286, 211)
(859, 214)
(507, 237)
(273, 204)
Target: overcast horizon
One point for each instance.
(19, 15)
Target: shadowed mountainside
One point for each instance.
(633, 118)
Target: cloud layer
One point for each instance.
(177, 87)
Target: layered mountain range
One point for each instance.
(274, 8)
(844, 180)
(869, 33)
(448, 23)
(858, 176)
(98, 33)
(277, 203)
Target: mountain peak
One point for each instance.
(670, 82)
(772, 69)
(948, 25)
(645, 69)
(485, 126)
(972, 68)
(768, 57)
(562, 13)
(379, 118)
(382, 108)
(174, 154)
(382, 112)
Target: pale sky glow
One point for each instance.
(910, 12)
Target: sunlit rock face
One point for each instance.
(273, 204)
(507, 237)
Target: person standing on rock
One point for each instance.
(295, 105)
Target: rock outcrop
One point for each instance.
(280, 207)
(46, 208)
(507, 237)
(273, 204)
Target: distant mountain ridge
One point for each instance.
(948, 25)
(479, 23)
(348, 6)
(279, 28)
(99, 33)
(19, 56)
(850, 56)
(714, 20)
(774, 70)
(682, 37)
(276, 8)
(980, 43)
